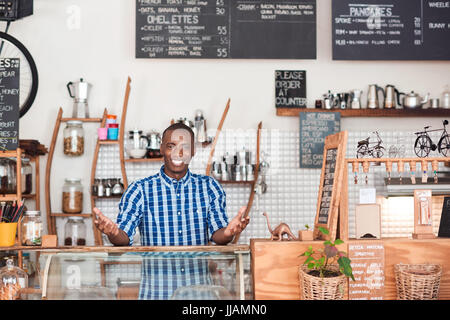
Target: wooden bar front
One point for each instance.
(275, 264)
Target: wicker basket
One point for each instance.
(316, 288)
(417, 281)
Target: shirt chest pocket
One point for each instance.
(199, 213)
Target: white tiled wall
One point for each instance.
(292, 192)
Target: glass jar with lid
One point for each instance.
(74, 138)
(75, 232)
(32, 228)
(27, 176)
(72, 196)
(8, 175)
(12, 279)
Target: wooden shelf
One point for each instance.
(115, 196)
(82, 119)
(84, 215)
(235, 182)
(28, 196)
(9, 197)
(294, 112)
(159, 159)
(108, 141)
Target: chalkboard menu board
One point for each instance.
(246, 29)
(391, 30)
(9, 103)
(327, 186)
(314, 127)
(290, 89)
(367, 261)
(444, 225)
(331, 186)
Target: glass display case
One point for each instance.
(143, 273)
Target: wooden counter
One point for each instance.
(275, 264)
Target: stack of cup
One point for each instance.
(112, 127)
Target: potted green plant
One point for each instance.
(323, 275)
(306, 235)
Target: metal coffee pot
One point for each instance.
(328, 100)
(391, 97)
(413, 100)
(356, 98)
(79, 91)
(343, 100)
(154, 144)
(154, 140)
(372, 96)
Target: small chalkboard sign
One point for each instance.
(290, 89)
(444, 225)
(331, 183)
(314, 127)
(9, 103)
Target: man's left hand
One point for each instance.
(237, 224)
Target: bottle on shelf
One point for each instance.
(72, 196)
(32, 228)
(75, 232)
(74, 138)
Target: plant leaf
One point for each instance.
(344, 264)
(324, 230)
(327, 243)
(338, 241)
(330, 251)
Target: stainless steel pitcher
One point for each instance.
(392, 97)
(79, 91)
(372, 96)
(356, 98)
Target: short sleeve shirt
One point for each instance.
(173, 212)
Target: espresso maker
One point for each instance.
(79, 91)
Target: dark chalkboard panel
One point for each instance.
(9, 103)
(223, 29)
(290, 89)
(331, 185)
(314, 128)
(391, 30)
(444, 225)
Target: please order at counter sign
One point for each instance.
(290, 89)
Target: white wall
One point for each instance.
(101, 50)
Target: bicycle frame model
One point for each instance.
(364, 148)
(424, 144)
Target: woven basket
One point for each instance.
(417, 281)
(316, 288)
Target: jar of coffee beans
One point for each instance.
(74, 138)
(72, 196)
(75, 232)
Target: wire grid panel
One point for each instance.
(292, 192)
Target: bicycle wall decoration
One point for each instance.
(424, 144)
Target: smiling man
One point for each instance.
(174, 206)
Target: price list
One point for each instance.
(9, 103)
(225, 29)
(391, 30)
(314, 128)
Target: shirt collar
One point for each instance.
(171, 181)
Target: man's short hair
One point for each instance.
(176, 126)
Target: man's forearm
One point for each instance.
(220, 238)
(121, 239)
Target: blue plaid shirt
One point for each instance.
(172, 212)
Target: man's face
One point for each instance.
(177, 150)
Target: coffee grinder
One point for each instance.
(79, 91)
